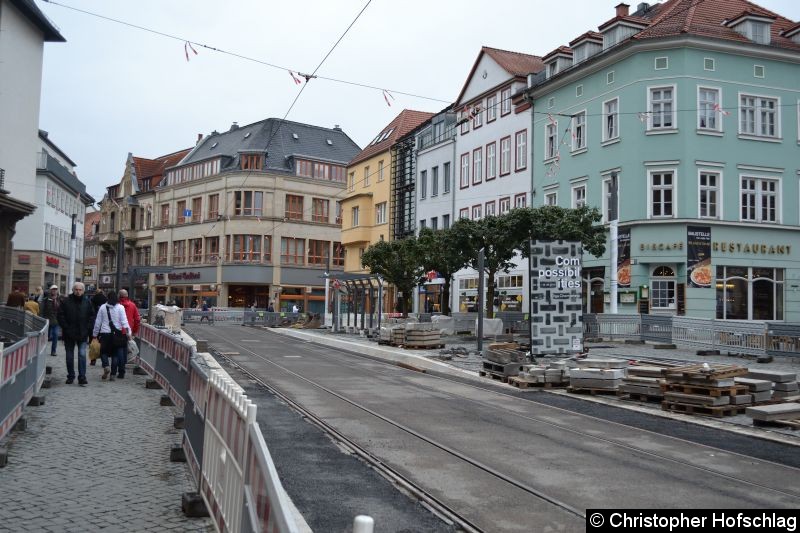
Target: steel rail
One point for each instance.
(572, 430)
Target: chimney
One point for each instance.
(234, 126)
(644, 6)
(336, 127)
(199, 138)
(622, 9)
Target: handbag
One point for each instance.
(118, 339)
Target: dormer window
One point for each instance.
(558, 60)
(585, 46)
(755, 27)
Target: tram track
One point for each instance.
(436, 504)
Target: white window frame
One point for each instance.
(605, 193)
(520, 200)
(354, 216)
(757, 121)
(717, 189)
(477, 166)
(709, 112)
(669, 281)
(521, 150)
(673, 188)
(504, 205)
(463, 212)
(477, 120)
(606, 137)
(435, 181)
(380, 213)
(551, 198)
(666, 63)
(491, 161)
(756, 70)
(491, 107)
(477, 212)
(505, 156)
(713, 64)
(673, 102)
(610, 77)
(578, 91)
(575, 201)
(759, 179)
(505, 101)
(423, 184)
(490, 208)
(463, 178)
(550, 140)
(579, 131)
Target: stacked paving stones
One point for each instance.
(597, 375)
(422, 335)
(643, 383)
(503, 360)
(705, 389)
(552, 375)
(784, 414)
(760, 389)
(784, 384)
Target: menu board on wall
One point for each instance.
(624, 258)
(698, 256)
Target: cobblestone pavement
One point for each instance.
(95, 458)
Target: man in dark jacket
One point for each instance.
(49, 310)
(98, 299)
(76, 318)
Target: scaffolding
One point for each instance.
(403, 223)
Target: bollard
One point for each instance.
(192, 505)
(36, 401)
(177, 454)
(48, 369)
(139, 371)
(3, 456)
(46, 383)
(363, 524)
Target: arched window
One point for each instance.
(662, 294)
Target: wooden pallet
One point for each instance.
(791, 424)
(521, 383)
(591, 390)
(689, 409)
(715, 371)
(494, 375)
(640, 397)
(706, 390)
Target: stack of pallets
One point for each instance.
(643, 383)
(705, 388)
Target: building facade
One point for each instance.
(248, 216)
(24, 30)
(376, 205)
(492, 171)
(695, 113)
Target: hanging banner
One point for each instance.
(698, 256)
(624, 257)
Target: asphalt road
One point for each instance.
(505, 462)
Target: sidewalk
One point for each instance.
(95, 458)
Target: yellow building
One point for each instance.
(366, 208)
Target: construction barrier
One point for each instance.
(22, 363)
(224, 447)
(271, 319)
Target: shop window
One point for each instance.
(662, 288)
(750, 293)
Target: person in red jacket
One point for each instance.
(134, 321)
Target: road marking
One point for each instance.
(249, 340)
(293, 356)
(229, 353)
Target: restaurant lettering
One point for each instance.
(179, 276)
(755, 248)
(660, 246)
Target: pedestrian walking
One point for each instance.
(15, 299)
(98, 299)
(32, 306)
(49, 310)
(295, 309)
(75, 317)
(112, 329)
(39, 294)
(204, 316)
(134, 320)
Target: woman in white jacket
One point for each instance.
(111, 312)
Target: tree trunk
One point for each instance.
(490, 293)
(446, 297)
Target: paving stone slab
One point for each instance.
(755, 385)
(772, 375)
(603, 363)
(789, 386)
(778, 411)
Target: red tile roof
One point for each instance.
(705, 19)
(589, 36)
(560, 50)
(515, 63)
(152, 170)
(403, 123)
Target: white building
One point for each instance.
(435, 196)
(23, 31)
(492, 173)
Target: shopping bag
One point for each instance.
(133, 349)
(94, 350)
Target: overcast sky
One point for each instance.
(112, 89)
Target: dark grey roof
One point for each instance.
(57, 170)
(281, 139)
(43, 135)
(32, 12)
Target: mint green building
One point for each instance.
(695, 108)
